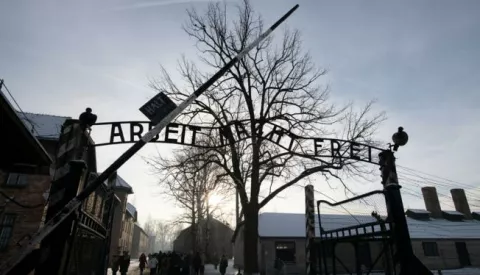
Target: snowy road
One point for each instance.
(132, 269)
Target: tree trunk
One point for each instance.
(193, 228)
(250, 241)
(200, 223)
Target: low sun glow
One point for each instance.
(214, 200)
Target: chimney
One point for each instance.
(461, 203)
(431, 202)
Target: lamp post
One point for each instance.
(409, 263)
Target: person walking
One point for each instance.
(115, 264)
(223, 265)
(185, 265)
(124, 263)
(202, 265)
(143, 262)
(152, 264)
(197, 262)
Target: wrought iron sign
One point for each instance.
(216, 137)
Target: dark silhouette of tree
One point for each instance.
(277, 83)
(190, 183)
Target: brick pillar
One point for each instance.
(69, 173)
(461, 202)
(431, 202)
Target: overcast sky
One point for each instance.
(419, 59)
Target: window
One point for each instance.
(16, 180)
(6, 228)
(285, 251)
(430, 249)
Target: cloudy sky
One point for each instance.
(419, 59)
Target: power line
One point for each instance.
(2, 84)
(457, 183)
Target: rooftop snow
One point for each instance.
(131, 209)
(419, 211)
(43, 126)
(293, 225)
(122, 183)
(451, 212)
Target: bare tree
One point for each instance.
(165, 234)
(275, 85)
(190, 183)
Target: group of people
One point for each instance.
(173, 263)
(121, 262)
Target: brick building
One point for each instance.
(440, 239)
(122, 219)
(47, 128)
(220, 236)
(24, 178)
(140, 241)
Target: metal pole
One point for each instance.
(110, 215)
(77, 201)
(310, 252)
(409, 263)
(70, 246)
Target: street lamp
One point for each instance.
(400, 138)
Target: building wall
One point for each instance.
(116, 244)
(238, 260)
(27, 220)
(220, 240)
(447, 254)
(127, 233)
(140, 242)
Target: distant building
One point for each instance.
(24, 176)
(121, 239)
(128, 226)
(220, 236)
(151, 244)
(32, 187)
(450, 240)
(140, 241)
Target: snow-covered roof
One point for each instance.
(452, 212)
(42, 125)
(293, 225)
(131, 209)
(419, 211)
(121, 183)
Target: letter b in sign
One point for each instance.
(158, 107)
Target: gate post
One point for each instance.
(69, 171)
(55, 247)
(409, 263)
(310, 252)
(110, 205)
(396, 211)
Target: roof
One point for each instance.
(136, 224)
(44, 126)
(293, 225)
(122, 184)
(19, 138)
(131, 210)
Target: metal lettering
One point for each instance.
(113, 133)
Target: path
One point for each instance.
(132, 269)
(210, 269)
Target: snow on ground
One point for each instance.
(131, 269)
(462, 271)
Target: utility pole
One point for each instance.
(409, 263)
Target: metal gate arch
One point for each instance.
(391, 231)
(378, 232)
